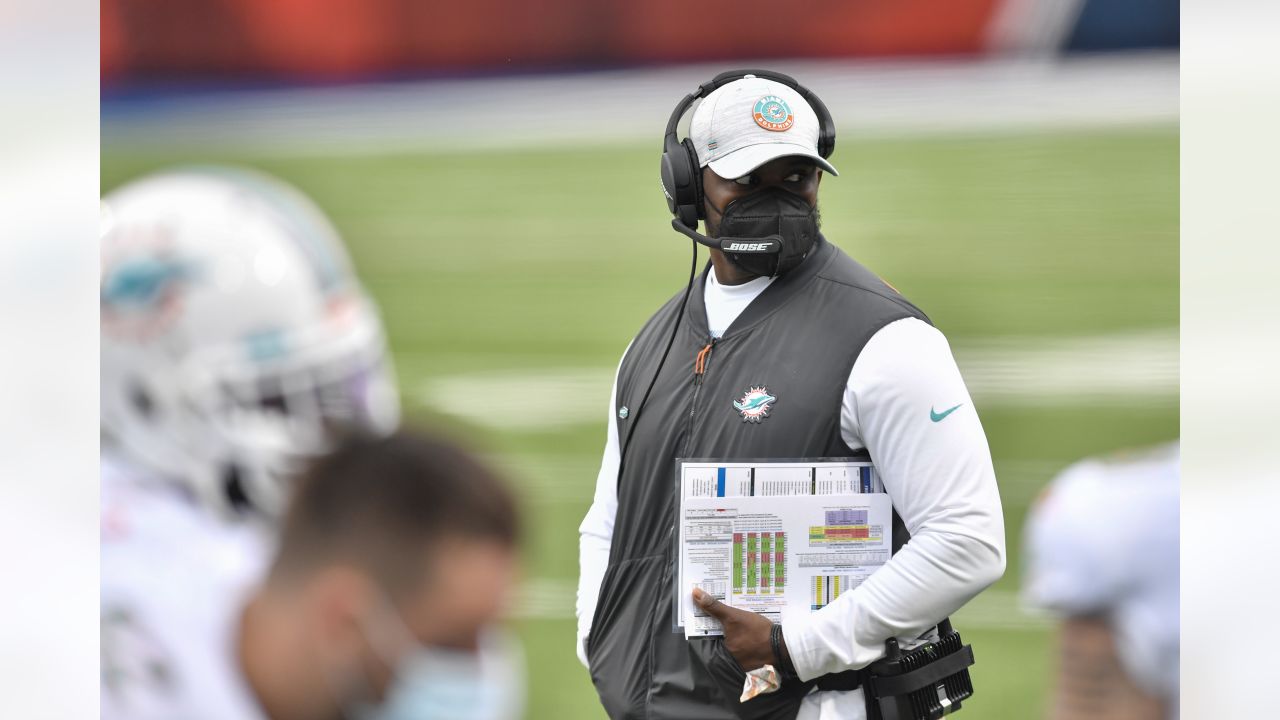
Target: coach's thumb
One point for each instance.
(708, 603)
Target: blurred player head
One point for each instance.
(235, 337)
(1101, 552)
(396, 556)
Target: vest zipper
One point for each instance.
(699, 371)
(700, 362)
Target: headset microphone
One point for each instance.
(768, 245)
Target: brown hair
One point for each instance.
(378, 503)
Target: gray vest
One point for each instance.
(799, 340)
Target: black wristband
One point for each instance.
(783, 659)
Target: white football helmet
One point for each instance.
(236, 339)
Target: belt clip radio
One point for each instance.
(923, 684)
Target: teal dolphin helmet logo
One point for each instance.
(755, 404)
(142, 295)
(141, 282)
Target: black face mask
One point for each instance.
(775, 214)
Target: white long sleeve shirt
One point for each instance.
(936, 467)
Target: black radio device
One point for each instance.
(926, 683)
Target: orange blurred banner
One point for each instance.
(344, 39)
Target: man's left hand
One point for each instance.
(746, 634)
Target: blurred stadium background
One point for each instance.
(1010, 165)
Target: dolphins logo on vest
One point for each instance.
(755, 404)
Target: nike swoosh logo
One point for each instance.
(938, 416)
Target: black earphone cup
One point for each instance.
(826, 142)
(682, 183)
(826, 126)
(669, 183)
(695, 177)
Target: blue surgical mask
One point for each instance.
(435, 683)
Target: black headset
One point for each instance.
(681, 173)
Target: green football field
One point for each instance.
(510, 283)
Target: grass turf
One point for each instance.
(553, 257)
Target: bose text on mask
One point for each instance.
(772, 214)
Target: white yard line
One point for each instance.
(523, 400)
(866, 98)
(1130, 369)
(1118, 369)
(553, 599)
(1000, 610)
(545, 480)
(545, 599)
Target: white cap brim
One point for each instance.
(745, 160)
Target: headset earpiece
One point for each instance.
(695, 173)
(682, 181)
(826, 126)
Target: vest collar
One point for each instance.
(773, 297)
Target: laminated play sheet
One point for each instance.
(776, 537)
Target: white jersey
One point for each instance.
(906, 403)
(174, 581)
(1103, 540)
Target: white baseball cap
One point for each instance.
(747, 123)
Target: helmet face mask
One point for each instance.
(275, 416)
(236, 341)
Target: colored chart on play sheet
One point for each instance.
(712, 481)
(782, 479)
(759, 563)
(740, 522)
(825, 588)
(842, 526)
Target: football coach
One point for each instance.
(784, 347)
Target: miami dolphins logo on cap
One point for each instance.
(772, 113)
(755, 404)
